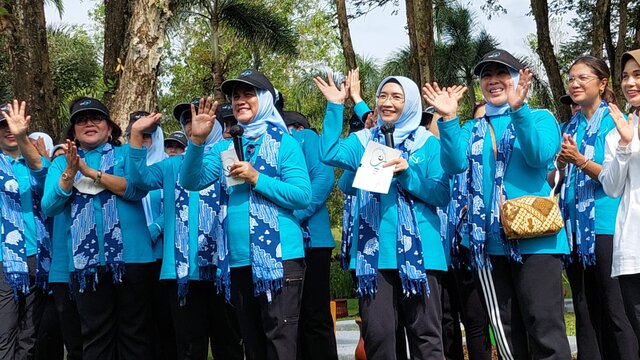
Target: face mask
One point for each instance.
(86, 185)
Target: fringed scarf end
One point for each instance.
(367, 285)
(183, 290)
(117, 272)
(19, 283)
(207, 272)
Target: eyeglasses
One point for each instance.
(395, 99)
(95, 119)
(580, 79)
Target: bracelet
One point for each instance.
(584, 164)
(98, 178)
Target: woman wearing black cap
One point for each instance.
(263, 271)
(110, 253)
(511, 145)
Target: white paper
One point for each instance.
(229, 157)
(371, 175)
(85, 185)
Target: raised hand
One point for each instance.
(444, 102)
(516, 98)
(330, 91)
(355, 90)
(372, 119)
(569, 153)
(146, 123)
(202, 120)
(457, 91)
(624, 126)
(41, 147)
(73, 160)
(17, 119)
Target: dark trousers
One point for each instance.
(316, 338)
(49, 345)
(462, 301)
(116, 318)
(164, 338)
(19, 320)
(525, 306)
(269, 329)
(602, 330)
(69, 318)
(630, 288)
(205, 318)
(420, 314)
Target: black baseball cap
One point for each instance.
(179, 110)
(135, 116)
(355, 123)
(294, 117)
(250, 77)
(498, 56)
(427, 116)
(566, 99)
(86, 104)
(4, 108)
(177, 136)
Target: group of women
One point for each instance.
(146, 255)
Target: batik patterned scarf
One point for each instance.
(585, 188)
(409, 254)
(84, 236)
(457, 223)
(348, 218)
(14, 246)
(264, 227)
(477, 218)
(208, 207)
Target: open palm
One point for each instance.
(203, 119)
(330, 91)
(444, 102)
(16, 118)
(516, 98)
(624, 126)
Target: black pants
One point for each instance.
(19, 320)
(49, 345)
(421, 316)
(602, 330)
(164, 337)
(205, 318)
(269, 329)
(630, 288)
(67, 311)
(316, 338)
(525, 306)
(116, 318)
(462, 301)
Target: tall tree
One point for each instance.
(599, 21)
(345, 34)
(23, 28)
(425, 43)
(540, 10)
(117, 14)
(413, 41)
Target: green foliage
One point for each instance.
(341, 282)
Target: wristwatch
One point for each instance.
(66, 177)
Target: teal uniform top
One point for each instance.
(136, 240)
(424, 180)
(537, 142)
(291, 191)
(322, 180)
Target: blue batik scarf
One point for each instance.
(14, 246)
(585, 188)
(409, 254)
(208, 207)
(84, 236)
(477, 217)
(264, 227)
(457, 224)
(348, 218)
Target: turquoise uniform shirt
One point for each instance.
(424, 180)
(291, 191)
(59, 271)
(135, 233)
(322, 180)
(537, 142)
(156, 228)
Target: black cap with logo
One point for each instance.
(86, 104)
(182, 112)
(498, 56)
(178, 137)
(224, 114)
(250, 77)
(294, 117)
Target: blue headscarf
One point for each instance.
(409, 121)
(267, 114)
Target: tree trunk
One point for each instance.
(413, 46)
(137, 88)
(345, 35)
(217, 71)
(598, 30)
(471, 95)
(616, 70)
(117, 14)
(24, 30)
(423, 15)
(540, 11)
(608, 35)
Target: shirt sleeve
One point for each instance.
(425, 178)
(199, 170)
(320, 175)
(40, 175)
(615, 167)
(132, 192)
(343, 153)
(346, 181)
(454, 142)
(143, 176)
(539, 135)
(55, 199)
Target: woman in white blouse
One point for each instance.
(620, 176)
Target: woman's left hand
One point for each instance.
(84, 168)
(400, 163)
(516, 97)
(569, 153)
(245, 171)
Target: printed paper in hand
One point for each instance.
(229, 157)
(371, 175)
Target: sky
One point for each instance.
(380, 33)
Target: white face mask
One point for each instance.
(85, 185)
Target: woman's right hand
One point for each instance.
(73, 160)
(202, 120)
(146, 123)
(445, 102)
(355, 90)
(624, 126)
(331, 91)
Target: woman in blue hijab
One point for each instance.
(396, 252)
(260, 248)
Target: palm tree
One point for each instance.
(399, 63)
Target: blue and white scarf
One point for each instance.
(348, 219)
(585, 188)
(477, 213)
(208, 207)
(409, 254)
(264, 227)
(84, 236)
(457, 223)
(14, 246)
